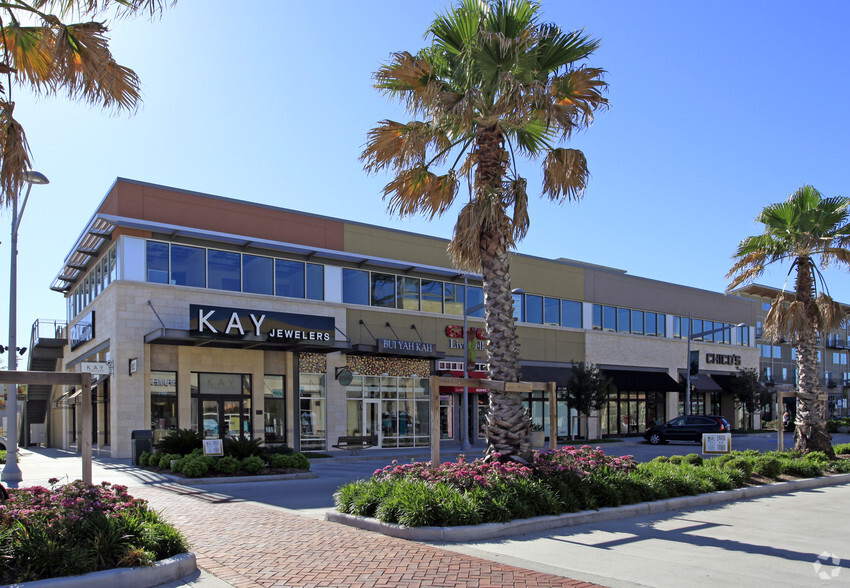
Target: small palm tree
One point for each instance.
(51, 57)
(495, 83)
(809, 231)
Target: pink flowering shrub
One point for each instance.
(77, 528)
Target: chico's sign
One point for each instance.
(258, 325)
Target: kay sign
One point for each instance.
(95, 368)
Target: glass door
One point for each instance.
(210, 426)
(372, 418)
(226, 418)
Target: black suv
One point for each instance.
(687, 428)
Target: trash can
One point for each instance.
(141, 440)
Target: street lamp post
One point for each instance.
(11, 472)
(464, 416)
(688, 364)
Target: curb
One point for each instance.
(162, 572)
(543, 523)
(237, 479)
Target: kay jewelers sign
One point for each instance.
(221, 322)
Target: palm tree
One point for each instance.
(494, 84)
(51, 57)
(811, 232)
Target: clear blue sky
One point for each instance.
(717, 109)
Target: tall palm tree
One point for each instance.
(51, 57)
(495, 83)
(810, 231)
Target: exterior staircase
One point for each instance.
(47, 342)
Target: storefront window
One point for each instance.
(315, 281)
(289, 278)
(637, 322)
(432, 296)
(408, 293)
(311, 402)
(446, 420)
(257, 274)
(454, 299)
(163, 395)
(475, 305)
(188, 266)
(571, 314)
(355, 286)
(533, 309)
(156, 262)
(223, 270)
(383, 290)
(552, 311)
(274, 409)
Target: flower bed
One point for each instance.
(78, 528)
(567, 480)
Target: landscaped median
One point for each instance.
(467, 501)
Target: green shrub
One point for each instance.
(693, 459)
(840, 466)
(661, 458)
(180, 441)
(144, 458)
(742, 463)
(676, 459)
(227, 465)
(841, 449)
(768, 466)
(295, 461)
(270, 450)
(177, 465)
(164, 461)
(802, 468)
(240, 447)
(253, 464)
(818, 456)
(195, 466)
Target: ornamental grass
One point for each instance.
(78, 528)
(566, 480)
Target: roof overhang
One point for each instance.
(91, 242)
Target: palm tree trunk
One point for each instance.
(508, 428)
(811, 433)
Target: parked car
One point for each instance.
(687, 428)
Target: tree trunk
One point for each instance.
(811, 433)
(508, 428)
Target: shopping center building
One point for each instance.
(237, 318)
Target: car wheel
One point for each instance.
(656, 439)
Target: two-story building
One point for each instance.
(238, 318)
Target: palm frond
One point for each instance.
(519, 198)
(14, 154)
(399, 146)
(565, 175)
(419, 191)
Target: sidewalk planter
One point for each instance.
(536, 524)
(162, 572)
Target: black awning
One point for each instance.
(725, 381)
(183, 337)
(538, 373)
(641, 381)
(702, 382)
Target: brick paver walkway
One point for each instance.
(250, 545)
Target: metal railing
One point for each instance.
(48, 329)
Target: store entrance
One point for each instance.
(225, 417)
(372, 419)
